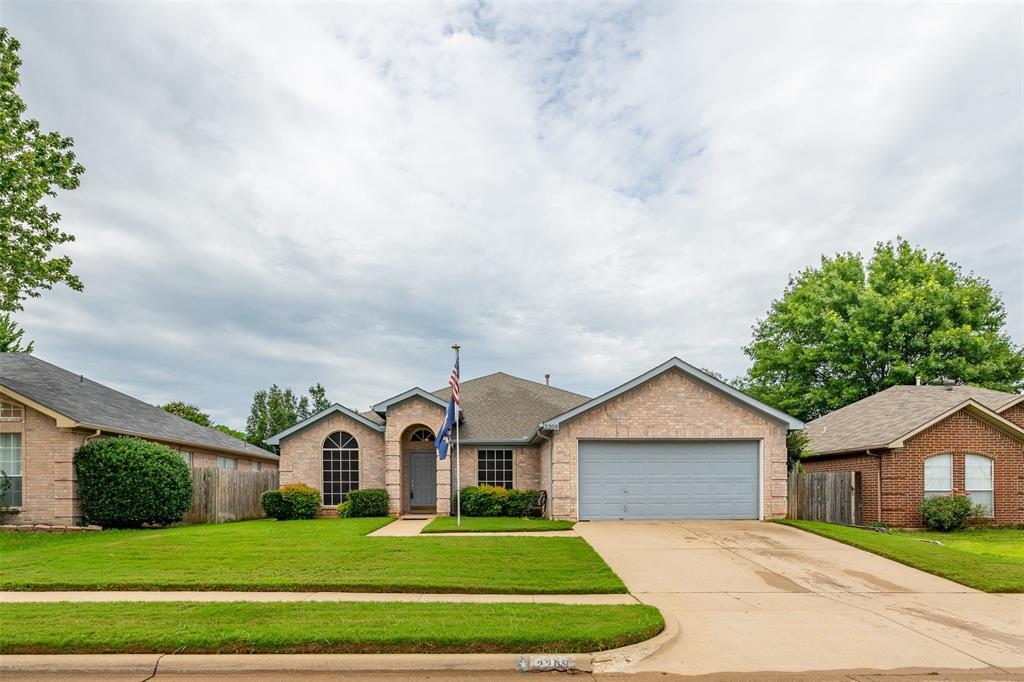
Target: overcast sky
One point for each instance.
(294, 194)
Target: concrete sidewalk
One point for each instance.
(98, 596)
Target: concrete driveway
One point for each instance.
(751, 596)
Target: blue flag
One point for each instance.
(443, 441)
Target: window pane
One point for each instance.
(12, 498)
(977, 472)
(938, 474)
(340, 466)
(494, 467)
(983, 498)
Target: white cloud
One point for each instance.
(300, 193)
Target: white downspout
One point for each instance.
(551, 472)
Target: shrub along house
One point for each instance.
(47, 413)
(913, 442)
(672, 443)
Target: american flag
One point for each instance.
(453, 381)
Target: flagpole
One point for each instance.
(458, 484)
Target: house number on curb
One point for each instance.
(538, 664)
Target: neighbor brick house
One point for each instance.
(47, 413)
(911, 442)
(673, 442)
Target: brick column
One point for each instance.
(444, 486)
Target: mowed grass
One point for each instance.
(314, 555)
(495, 524)
(987, 559)
(319, 627)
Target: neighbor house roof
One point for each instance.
(689, 370)
(501, 408)
(76, 401)
(882, 420)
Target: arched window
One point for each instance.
(341, 467)
(422, 436)
(979, 473)
(938, 476)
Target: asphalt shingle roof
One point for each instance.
(503, 407)
(886, 416)
(88, 402)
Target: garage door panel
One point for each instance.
(668, 479)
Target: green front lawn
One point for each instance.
(314, 555)
(493, 524)
(319, 627)
(988, 559)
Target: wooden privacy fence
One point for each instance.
(833, 497)
(221, 495)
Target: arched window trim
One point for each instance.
(339, 467)
(938, 475)
(982, 492)
(422, 436)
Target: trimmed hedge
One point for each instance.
(487, 500)
(292, 501)
(947, 512)
(128, 482)
(369, 502)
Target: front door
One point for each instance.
(422, 481)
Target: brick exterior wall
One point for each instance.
(526, 470)
(49, 488)
(959, 434)
(302, 452)
(903, 470)
(670, 406)
(869, 467)
(1014, 414)
(413, 412)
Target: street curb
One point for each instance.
(191, 664)
(625, 658)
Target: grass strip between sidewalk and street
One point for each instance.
(303, 627)
(494, 524)
(987, 559)
(318, 555)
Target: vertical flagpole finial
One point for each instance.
(456, 346)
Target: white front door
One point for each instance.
(422, 480)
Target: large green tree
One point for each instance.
(849, 328)
(10, 336)
(275, 409)
(33, 166)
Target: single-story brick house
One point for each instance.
(913, 442)
(673, 442)
(47, 413)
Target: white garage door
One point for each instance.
(668, 479)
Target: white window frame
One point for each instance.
(223, 461)
(934, 491)
(991, 489)
(256, 466)
(12, 457)
(187, 456)
(11, 412)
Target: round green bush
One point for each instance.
(128, 482)
(518, 503)
(946, 512)
(368, 502)
(274, 505)
(483, 500)
(304, 501)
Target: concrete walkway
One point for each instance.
(98, 596)
(403, 527)
(751, 596)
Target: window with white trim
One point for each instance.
(227, 463)
(938, 476)
(494, 467)
(256, 466)
(340, 467)
(11, 412)
(187, 456)
(10, 464)
(979, 478)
